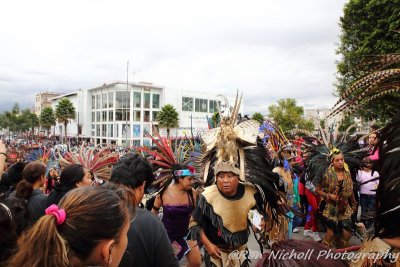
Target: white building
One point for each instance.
(120, 113)
(76, 99)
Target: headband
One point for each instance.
(185, 172)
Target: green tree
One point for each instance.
(347, 122)
(47, 118)
(12, 119)
(65, 111)
(30, 121)
(368, 27)
(215, 119)
(289, 116)
(257, 116)
(168, 118)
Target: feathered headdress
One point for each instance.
(99, 163)
(380, 79)
(44, 155)
(320, 153)
(166, 158)
(236, 147)
(387, 214)
(275, 142)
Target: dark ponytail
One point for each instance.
(32, 172)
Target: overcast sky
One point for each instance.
(269, 49)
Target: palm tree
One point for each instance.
(65, 111)
(168, 118)
(47, 118)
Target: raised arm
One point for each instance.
(3, 157)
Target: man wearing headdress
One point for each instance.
(220, 219)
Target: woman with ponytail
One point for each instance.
(29, 189)
(88, 228)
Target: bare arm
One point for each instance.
(212, 249)
(157, 205)
(3, 156)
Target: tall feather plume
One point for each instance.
(381, 77)
(165, 157)
(388, 193)
(99, 163)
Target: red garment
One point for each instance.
(311, 219)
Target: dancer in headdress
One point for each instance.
(239, 178)
(174, 193)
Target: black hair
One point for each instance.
(11, 227)
(32, 173)
(178, 167)
(15, 172)
(70, 175)
(132, 170)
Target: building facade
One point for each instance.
(124, 114)
(43, 100)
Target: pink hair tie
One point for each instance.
(56, 212)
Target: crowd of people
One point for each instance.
(157, 206)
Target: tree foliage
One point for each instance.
(168, 118)
(289, 116)
(65, 111)
(257, 116)
(47, 118)
(368, 27)
(18, 121)
(216, 119)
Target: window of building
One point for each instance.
(155, 113)
(118, 114)
(104, 100)
(156, 101)
(187, 104)
(111, 115)
(137, 97)
(201, 105)
(110, 99)
(97, 130)
(136, 143)
(136, 130)
(93, 101)
(104, 130)
(146, 116)
(116, 130)
(122, 115)
(98, 116)
(110, 130)
(146, 100)
(136, 115)
(126, 131)
(97, 101)
(212, 106)
(146, 130)
(122, 99)
(147, 142)
(104, 115)
(93, 116)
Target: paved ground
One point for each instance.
(253, 245)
